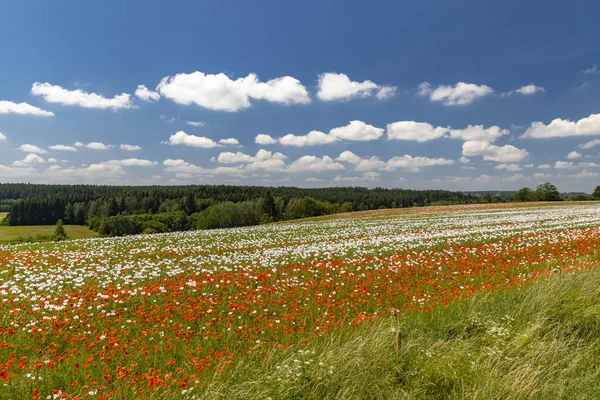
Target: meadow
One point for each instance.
(425, 305)
(37, 233)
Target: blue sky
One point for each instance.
(464, 95)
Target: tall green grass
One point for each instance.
(541, 341)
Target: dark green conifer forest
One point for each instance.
(123, 210)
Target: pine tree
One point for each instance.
(269, 204)
(59, 232)
(69, 213)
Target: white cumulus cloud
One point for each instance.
(491, 152)
(526, 90)
(460, 94)
(219, 92)
(530, 89)
(417, 131)
(590, 144)
(62, 147)
(314, 164)
(478, 133)
(29, 148)
(271, 164)
(190, 140)
(129, 147)
(9, 107)
(348, 156)
(361, 164)
(264, 139)
(239, 157)
(310, 139)
(333, 86)
(423, 132)
(230, 141)
(181, 166)
(98, 146)
(509, 167)
(414, 164)
(357, 130)
(371, 163)
(29, 160)
(386, 92)
(57, 94)
(143, 93)
(564, 165)
(588, 126)
(354, 131)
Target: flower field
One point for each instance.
(153, 315)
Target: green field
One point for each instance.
(12, 234)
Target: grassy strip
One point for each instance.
(40, 233)
(541, 341)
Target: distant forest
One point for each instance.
(123, 210)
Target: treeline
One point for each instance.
(220, 215)
(548, 192)
(119, 210)
(123, 210)
(153, 196)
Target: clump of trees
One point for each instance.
(549, 192)
(121, 225)
(543, 192)
(220, 215)
(231, 215)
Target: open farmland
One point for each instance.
(159, 315)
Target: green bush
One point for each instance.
(306, 207)
(120, 225)
(229, 215)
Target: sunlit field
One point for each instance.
(39, 233)
(163, 316)
(36, 233)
